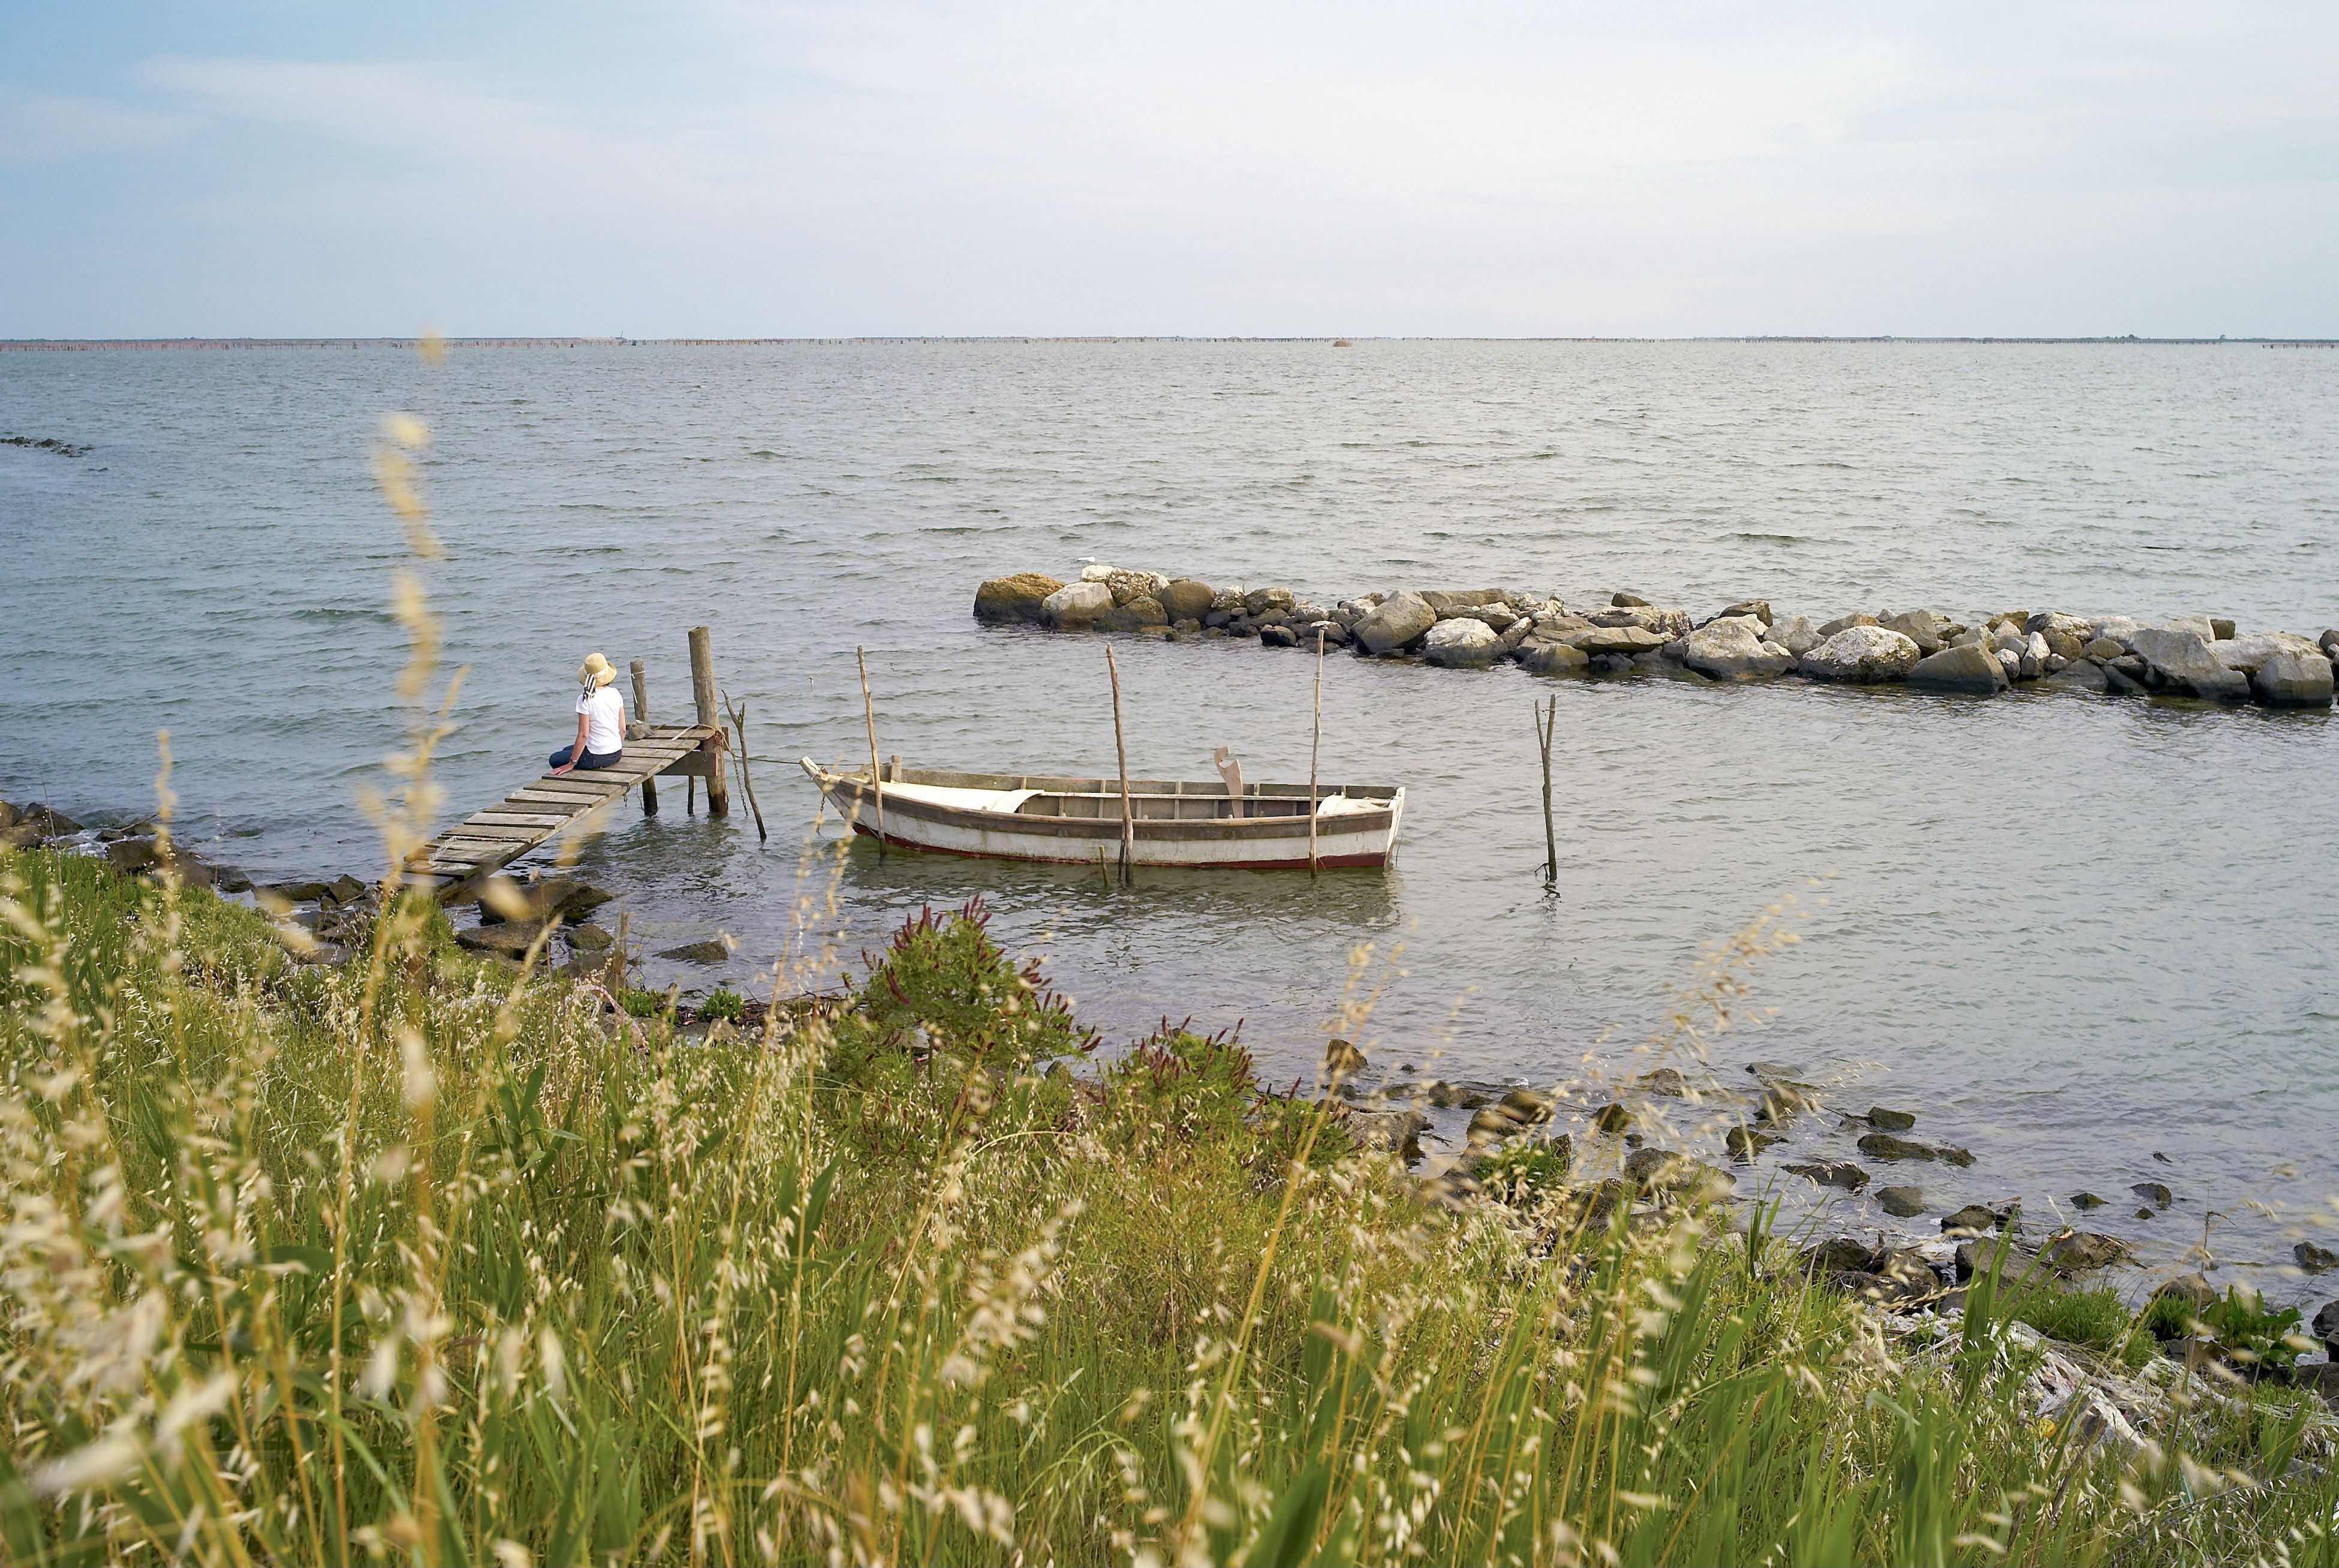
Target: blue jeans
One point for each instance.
(590, 759)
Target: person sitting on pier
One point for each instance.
(601, 720)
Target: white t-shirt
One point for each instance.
(605, 722)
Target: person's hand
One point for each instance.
(563, 768)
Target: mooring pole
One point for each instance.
(1315, 748)
(1547, 725)
(702, 690)
(1121, 746)
(876, 775)
(642, 712)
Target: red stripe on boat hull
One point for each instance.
(1325, 863)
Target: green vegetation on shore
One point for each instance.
(422, 1258)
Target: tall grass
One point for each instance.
(415, 1259)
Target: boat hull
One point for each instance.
(1365, 838)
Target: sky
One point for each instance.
(1210, 167)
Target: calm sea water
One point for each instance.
(2070, 932)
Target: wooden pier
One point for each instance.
(491, 839)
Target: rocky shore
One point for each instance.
(1977, 655)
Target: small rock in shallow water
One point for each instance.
(1664, 1080)
(2327, 1327)
(712, 950)
(2155, 1193)
(1745, 1142)
(1841, 1173)
(511, 939)
(1974, 1219)
(2088, 1200)
(1891, 1120)
(2315, 1259)
(1611, 1118)
(1884, 1146)
(1277, 637)
(2078, 1251)
(1342, 1060)
(1901, 1202)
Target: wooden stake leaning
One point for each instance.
(1315, 747)
(739, 729)
(1121, 746)
(1547, 724)
(869, 717)
(642, 714)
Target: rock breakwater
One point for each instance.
(1981, 655)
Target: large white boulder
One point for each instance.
(1862, 654)
(1461, 642)
(1732, 648)
(1075, 606)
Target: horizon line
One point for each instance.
(528, 340)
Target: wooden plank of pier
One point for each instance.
(500, 834)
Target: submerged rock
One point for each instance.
(2155, 1193)
(713, 951)
(1862, 655)
(2315, 1259)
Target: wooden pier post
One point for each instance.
(876, 776)
(1315, 748)
(701, 689)
(1121, 746)
(642, 714)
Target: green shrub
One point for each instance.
(723, 1002)
(2093, 1318)
(640, 1004)
(1524, 1170)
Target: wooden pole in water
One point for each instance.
(876, 781)
(642, 712)
(702, 688)
(739, 729)
(1547, 725)
(1120, 746)
(1315, 748)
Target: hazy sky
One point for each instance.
(698, 167)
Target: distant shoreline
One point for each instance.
(87, 345)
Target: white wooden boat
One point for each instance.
(1077, 820)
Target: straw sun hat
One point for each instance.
(595, 673)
